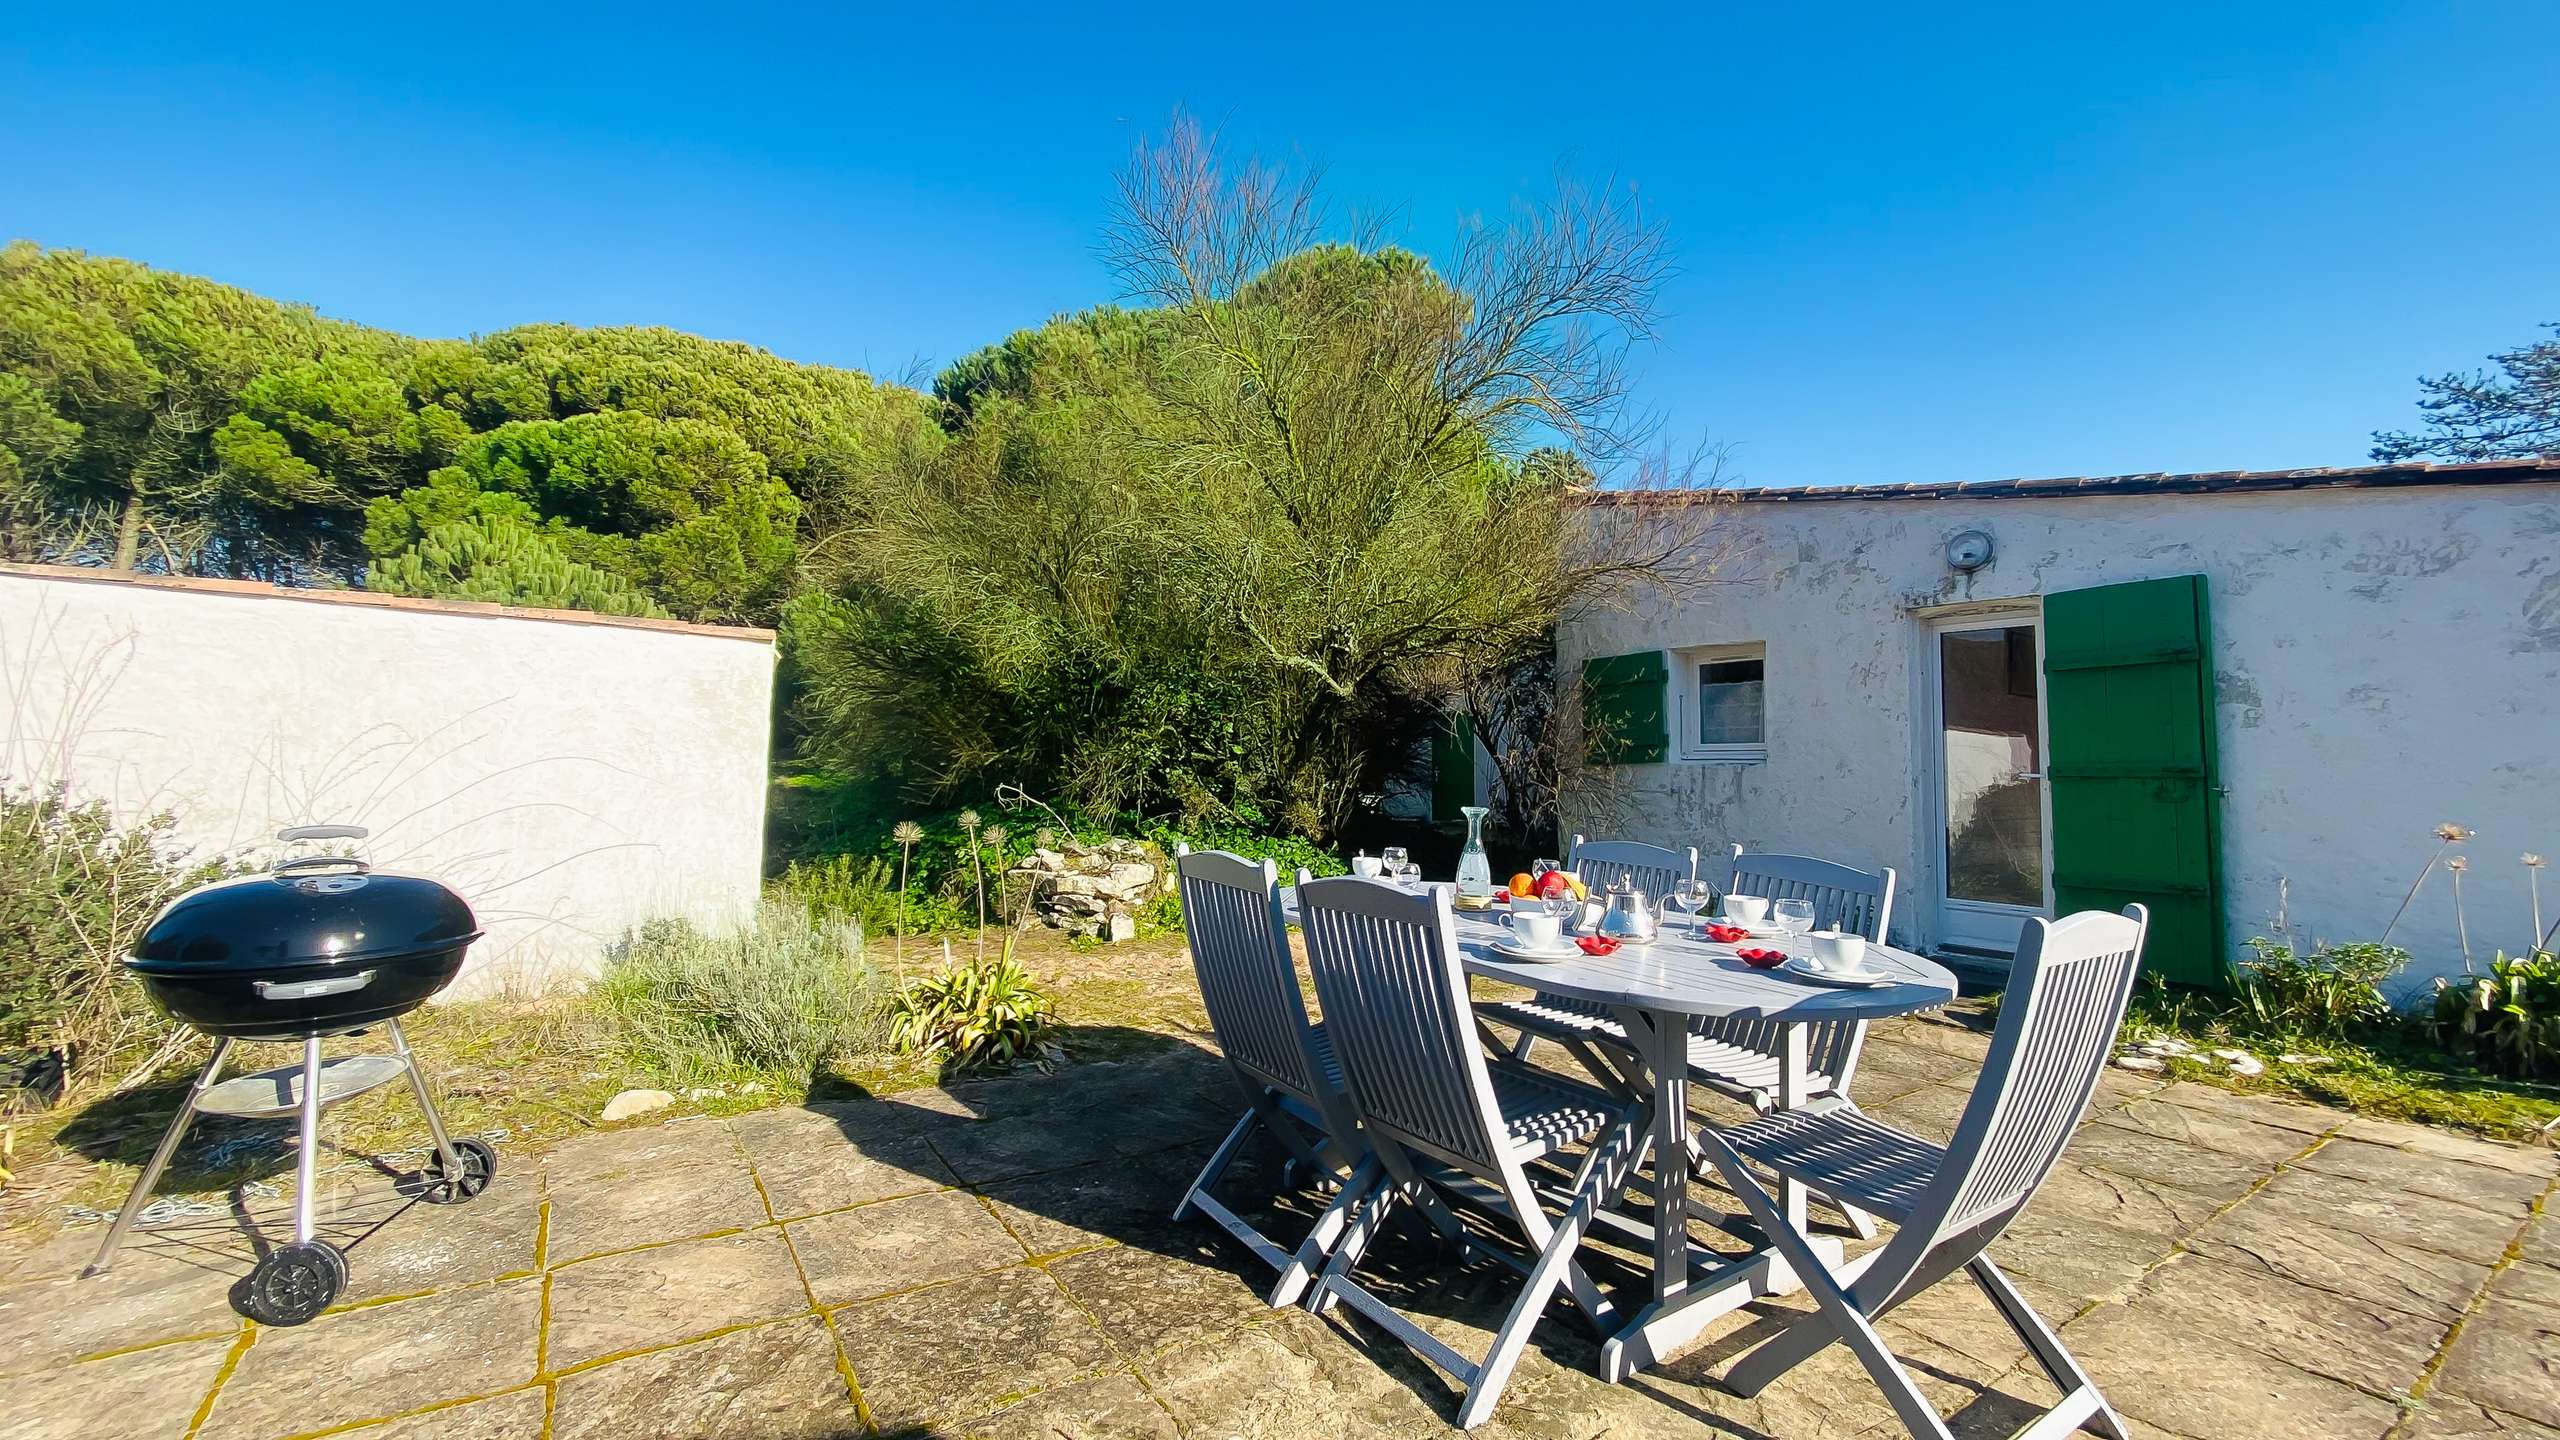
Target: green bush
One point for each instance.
(864, 889)
(2333, 992)
(76, 890)
(988, 1014)
(2507, 1021)
(783, 997)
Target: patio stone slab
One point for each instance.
(934, 1356)
(2399, 1217)
(421, 1247)
(641, 1299)
(2107, 1144)
(2541, 1242)
(609, 1153)
(808, 1171)
(771, 1382)
(1111, 1406)
(2472, 1182)
(989, 1150)
(2196, 1385)
(2539, 1160)
(2123, 1202)
(511, 1416)
(149, 1296)
(2324, 1257)
(154, 1393)
(1930, 1112)
(1885, 1054)
(2063, 1262)
(2357, 1342)
(1113, 1201)
(703, 1196)
(381, 1360)
(1147, 1302)
(2213, 1129)
(1294, 1376)
(2508, 1358)
(2450, 1417)
(2278, 1111)
(2528, 1283)
(900, 1244)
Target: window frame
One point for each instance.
(1683, 707)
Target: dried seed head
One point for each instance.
(996, 836)
(2533, 861)
(2457, 864)
(907, 832)
(2452, 834)
(969, 820)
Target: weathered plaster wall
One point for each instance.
(569, 779)
(2386, 659)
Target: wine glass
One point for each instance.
(1793, 916)
(1538, 868)
(1692, 896)
(1398, 865)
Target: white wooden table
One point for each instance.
(1654, 991)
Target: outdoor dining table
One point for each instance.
(1655, 990)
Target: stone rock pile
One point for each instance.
(1094, 889)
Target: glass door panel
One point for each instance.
(1991, 770)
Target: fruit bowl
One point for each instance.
(1727, 934)
(1762, 959)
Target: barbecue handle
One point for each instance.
(321, 862)
(313, 989)
(322, 832)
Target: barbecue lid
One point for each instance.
(318, 910)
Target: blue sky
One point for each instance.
(2053, 239)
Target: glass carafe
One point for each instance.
(1475, 869)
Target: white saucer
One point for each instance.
(1869, 978)
(1565, 950)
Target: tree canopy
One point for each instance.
(2514, 414)
(170, 423)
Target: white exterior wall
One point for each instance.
(2386, 659)
(570, 777)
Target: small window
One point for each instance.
(1721, 699)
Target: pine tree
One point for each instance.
(506, 562)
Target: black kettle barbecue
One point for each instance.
(319, 946)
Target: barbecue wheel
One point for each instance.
(295, 1282)
(479, 1163)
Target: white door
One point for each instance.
(1993, 815)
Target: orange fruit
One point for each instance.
(1521, 884)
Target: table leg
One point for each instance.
(1791, 1096)
(1685, 1299)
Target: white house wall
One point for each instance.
(570, 778)
(2385, 659)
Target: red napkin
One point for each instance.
(1726, 934)
(1596, 944)
(1762, 958)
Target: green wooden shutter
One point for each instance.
(1622, 709)
(1453, 766)
(2136, 782)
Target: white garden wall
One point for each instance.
(570, 775)
(2386, 659)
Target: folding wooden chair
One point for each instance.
(2066, 997)
(1292, 1085)
(1434, 1108)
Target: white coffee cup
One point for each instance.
(1838, 950)
(1747, 909)
(1367, 867)
(1534, 929)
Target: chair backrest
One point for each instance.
(2066, 997)
(1240, 951)
(1395, 1007)
(1844, 897)
(1654, 869)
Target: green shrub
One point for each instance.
(864, 889)
(2332, 992)
(76, 890)
(783, 997)
(2508, 1020)
(982, 1015)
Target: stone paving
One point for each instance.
(997, 1260)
